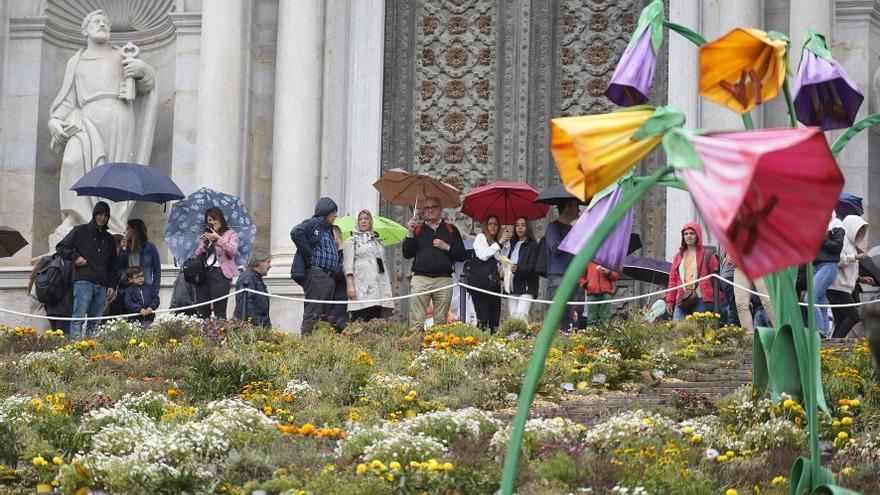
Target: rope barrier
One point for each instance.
(423, 293)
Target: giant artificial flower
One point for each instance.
(824, 94)
(743, 68)
(593, 151)
(614, 249)
(631, 82)
(765, 194)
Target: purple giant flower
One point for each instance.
(613, 250)
(824, 94)
(631, 82)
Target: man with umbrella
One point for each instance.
(435, 246)
(93, 251)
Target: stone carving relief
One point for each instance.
(141, 21)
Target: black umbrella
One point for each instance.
(556, 195)
(647, 270)
(635, 243)
(11, 242)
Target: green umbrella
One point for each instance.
(389, 231)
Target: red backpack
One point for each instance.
(419, 229)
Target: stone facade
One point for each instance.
(284, 101)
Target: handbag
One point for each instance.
(483, 274)
(194, 269)
(689, 298)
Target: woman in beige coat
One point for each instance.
(366, 270)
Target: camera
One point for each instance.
(208, 228)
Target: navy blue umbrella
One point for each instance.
(128, 182)
(848, 204)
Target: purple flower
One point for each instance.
(824, 94)
(613, 250)
(631, 82)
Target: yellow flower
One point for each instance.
(842, 435)
(361, 469)
(39, 461)
(132, 342)
(58, 460)
(788, 403)
(696, 438)
(447, 466)
(855, 403)
(742, 69)
(846, 421)
(730, 454)
(779, 481)
(687, 430)
(593, 151)
(394, 465)
(721, 458)
(730, 491)
(846, 470)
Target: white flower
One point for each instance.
(711, 454)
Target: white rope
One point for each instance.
(423, 293)
(803, 304)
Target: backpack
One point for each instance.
(448, 228)
(183, 293)
(194, 269)
(50, 284)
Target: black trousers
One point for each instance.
(321, 286)
(367, 314)
(844, 318)
(215, 285)
(488, 309)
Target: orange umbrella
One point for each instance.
(403, 188)
(743, 68)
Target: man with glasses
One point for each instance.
(435, 246)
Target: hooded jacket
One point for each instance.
(97, 246)
(307, 234)
(707, 263)
(832, 243)
(258, 304)
(848, 267)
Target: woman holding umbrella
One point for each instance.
(138, 251)
(219, 244)
(366, 273)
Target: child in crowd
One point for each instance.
(598, 282)
(140, 298)
(339, 312)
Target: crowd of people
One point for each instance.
(102, 274)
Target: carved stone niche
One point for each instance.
(140, 21)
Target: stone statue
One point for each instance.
(104, 113)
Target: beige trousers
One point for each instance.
(742, 300)
(419, 305)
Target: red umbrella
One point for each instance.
(506, 200)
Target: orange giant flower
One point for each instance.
(593, 151)
(743, 68)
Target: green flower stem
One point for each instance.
(554, 315)
(748, 123)
(810, 392)
(792, 117)
(687, 33)
(850, 133)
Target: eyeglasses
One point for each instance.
(431, 207)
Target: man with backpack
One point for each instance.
(93, 252)
(434, 245)
(316, 261)
(52, 285)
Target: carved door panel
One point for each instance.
(471, 85)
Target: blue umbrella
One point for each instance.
(187, 223)
(128, 182)
(848, 204)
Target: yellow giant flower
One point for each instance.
(743, 68)
(593, 151)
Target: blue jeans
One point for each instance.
(88, 300)
(823, 276)
(702, 306)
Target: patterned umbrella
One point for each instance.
(187, 223)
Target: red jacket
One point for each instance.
(707, 266)
(597, 283)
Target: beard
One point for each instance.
(100, 36)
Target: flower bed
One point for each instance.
(230, 408)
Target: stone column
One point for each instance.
(352, 108)
(712, 19)
(808, 14)
(218, 148)
(856, 45)
(187, 30)
(296, 153)
(684, 76)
